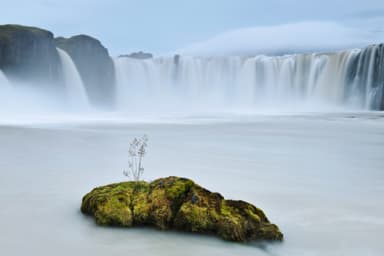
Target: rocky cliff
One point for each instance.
(28, 54)
(94, 65)
(378, 76)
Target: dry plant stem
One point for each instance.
(137, 150)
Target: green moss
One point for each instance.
(7, 31)
(178, 203)
(160, 211)
(178, 188)
(225, 210)
(254, 216)
(268, 232)
(141, 208)
(115, 211)
(194, 218)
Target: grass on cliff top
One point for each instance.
(6, 31)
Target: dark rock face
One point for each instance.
(94, 65)
(378, 75)
(138, 55)
(29, 54)
(180, 204)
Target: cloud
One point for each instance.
(369, 13)
(286, 38)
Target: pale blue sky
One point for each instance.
(162, 26)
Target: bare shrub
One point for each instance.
(137, 151)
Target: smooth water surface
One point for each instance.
(320, 177)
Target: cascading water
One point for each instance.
(77, 94)
(4, 83)
(6, 91)
(366, 77)
(351, 79)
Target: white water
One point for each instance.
(350, 80)
(5, 85)
(75, 89)
(305, 82)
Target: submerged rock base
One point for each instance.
(178, 204)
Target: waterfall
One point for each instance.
(6, 92)
(4, 83)
(366, 77)
(77, 94)
(349, 79)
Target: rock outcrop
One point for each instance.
(178, 204)
(378, 75)
(94, 65)
(137, 55)
(28, 54)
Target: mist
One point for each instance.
(307, 36)
(193, 85)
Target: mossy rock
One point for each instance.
(178, 204)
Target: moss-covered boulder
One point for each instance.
(179, 204)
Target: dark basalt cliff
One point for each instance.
(94, 65)
(29, 54)
(378, 76)
(178, 204)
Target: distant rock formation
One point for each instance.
(137, 55)
(28, 54)
(94, 65)
(180, 204)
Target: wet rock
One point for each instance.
(194, 199)
(178, 204)
(29, 55)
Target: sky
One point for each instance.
(205, 26)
